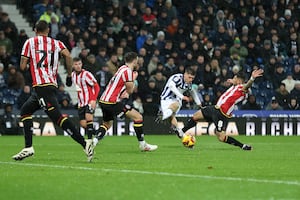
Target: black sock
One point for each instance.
(28, 131)
(138, 128)
(189, 124)
(232, 141)
(101, 132)
(73, 132)
(90, 129)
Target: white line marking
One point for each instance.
(296, 183)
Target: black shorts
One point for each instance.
(111, 110)
(83, 110)
(213, 114)
(42, 97)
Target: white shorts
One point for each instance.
(165, 104)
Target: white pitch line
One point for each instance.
(296, 183)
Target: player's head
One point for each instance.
(189, 75)
(42, 27)
(77, 64)
(131, 59)
(239, 78)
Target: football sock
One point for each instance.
(28, 131)
(67, 126)
(90, 129)
(189, 124)
(167, 114)
(232, 141)
(138, 128)
(101, 132)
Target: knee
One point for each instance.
(107, 124)
(139, 117)
(175, 107)
(83, 124)
(221, 136)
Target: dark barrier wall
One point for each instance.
(248, 123)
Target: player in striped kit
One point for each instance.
(87, 92)
(222, 111)
(172, 96)
(42, 53)
(119, 87)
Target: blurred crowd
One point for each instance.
(216, 38)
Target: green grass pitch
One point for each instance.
(212, 170)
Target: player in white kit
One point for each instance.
(172, 96)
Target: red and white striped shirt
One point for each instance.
(116, 85)
(86, 86)
(43, 53)
(228, 99)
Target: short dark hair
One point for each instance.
(241, 75)
(76, 59)
(41, 26)
(190, 71)
(130, 56)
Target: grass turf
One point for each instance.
(212, 170)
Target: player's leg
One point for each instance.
(89, 116)
(82, 120)
(51, 108)
(82, 123)
(175, 128)
(64, 122)
(196, 117)
(138, 128)
(103, 129)
(89, 128)
(175, 106)
(169, 108)
(108, 111)
(48, 102)
(221, 122)
(28, 108)
(230, 140)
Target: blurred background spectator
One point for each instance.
(216, 38)
(8, 121)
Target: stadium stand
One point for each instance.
(167, 34)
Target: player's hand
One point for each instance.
(187, 99)
(257, 73)
(69, 81)
(124, 95)
(92, 103)
(230, 80)
(135, 75)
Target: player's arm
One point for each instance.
(69, 62)
(175, 90)
(256, 73)
(68, 58)
(196, 98)
(23, 63)
(130, 85)
(94, 95)
(25, 55)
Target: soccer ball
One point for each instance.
(188, 141)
